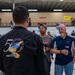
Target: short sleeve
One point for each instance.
(53, 44)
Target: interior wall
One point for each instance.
(6, 17)
(39, 17)
(50, 17)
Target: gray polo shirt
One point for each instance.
(46, 41)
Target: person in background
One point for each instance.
(33, 31)
(64, 48)
(73, 34)
(21, 51)
(0, 36)
(29, 22)
(50, 34)
(12, 24)
(46, 41)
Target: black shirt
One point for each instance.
(21, 52)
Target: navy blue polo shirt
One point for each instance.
(59, 43)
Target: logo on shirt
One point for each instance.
(14, 47)
(68, 41)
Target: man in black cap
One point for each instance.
(21, 51)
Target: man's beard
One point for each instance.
(42, 32)
(61, 34)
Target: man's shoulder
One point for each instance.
(36, 36)
(57, 38)
(48, 36)
(71, 38)
(33, 34)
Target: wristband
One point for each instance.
(60, 51)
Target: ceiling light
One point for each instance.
(57, 10)
(32, 10)
(61, 0)
(6, 10)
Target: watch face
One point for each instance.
(60, 51)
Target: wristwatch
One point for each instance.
(60, 51)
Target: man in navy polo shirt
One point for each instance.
(64, 48)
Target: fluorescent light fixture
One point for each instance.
(6, 10)
(57, 10)
(61, 0)
(32, 10)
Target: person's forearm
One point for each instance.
(64, 51)
(74, 56)
(55, 51)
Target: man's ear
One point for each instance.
(27, 20)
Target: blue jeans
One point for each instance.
(67, 68)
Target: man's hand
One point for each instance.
(65, 52)
(47, 48)
(74, 56)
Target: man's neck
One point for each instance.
(43, 35)
(20, 25)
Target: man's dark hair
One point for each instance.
(43, 26)
(20, 14)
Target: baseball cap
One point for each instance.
(43, 26)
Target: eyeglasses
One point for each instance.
(61, 28)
